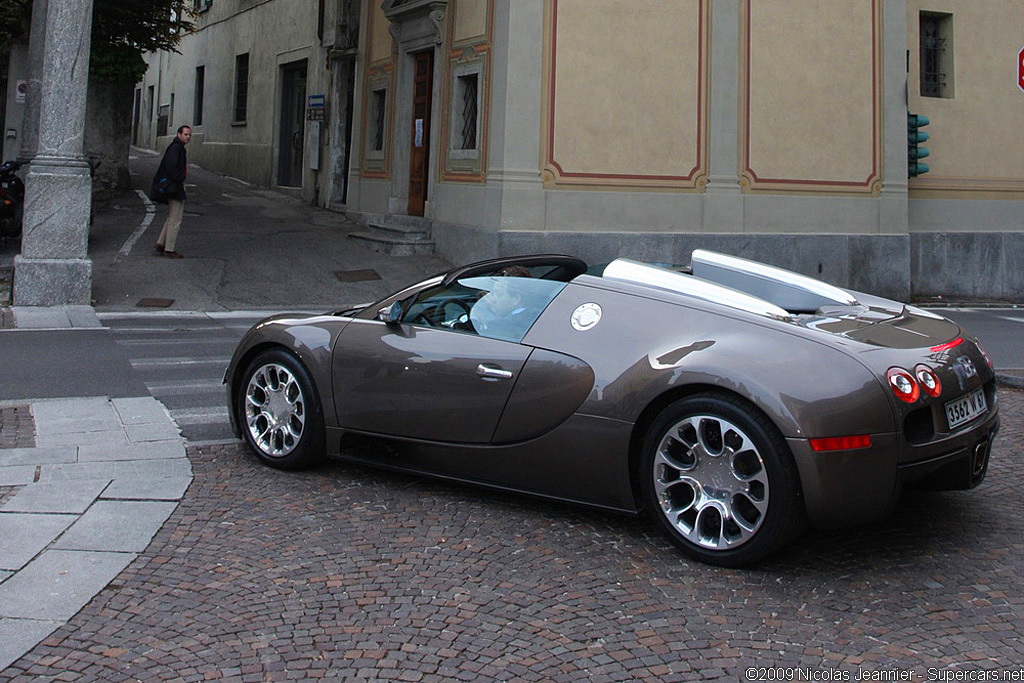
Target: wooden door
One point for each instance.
(419, 156)
(291, 140)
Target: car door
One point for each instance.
(419, 381)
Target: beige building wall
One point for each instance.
(810, 95)
(977, 150)
(626, 93)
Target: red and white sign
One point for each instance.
(1020, 69)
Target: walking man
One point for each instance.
(173, 168)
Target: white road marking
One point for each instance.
(150, 214)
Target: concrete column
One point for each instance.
(723, 201)
(53, 268)
(893, 203)
(34, 96)
(514, 186)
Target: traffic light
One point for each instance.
(915, 136)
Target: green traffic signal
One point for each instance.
(915, 136)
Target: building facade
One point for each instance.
(771, 130)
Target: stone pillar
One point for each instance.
(893, 203)
(36, 51)
(723, 200)
(53, 268)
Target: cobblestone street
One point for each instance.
(345, 573)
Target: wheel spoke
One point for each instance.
(275, 410)
(710, 482)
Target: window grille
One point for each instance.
(197, 118)
(467, 110)
(379, 109)
(936, 54)
(241, 87)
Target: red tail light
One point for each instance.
(947, 346)
(841, 443)
(928, 380)
(903, 385)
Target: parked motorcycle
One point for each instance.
(12, 200)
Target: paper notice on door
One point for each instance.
(419, 132)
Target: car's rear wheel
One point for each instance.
(279, 411)
(718, 478)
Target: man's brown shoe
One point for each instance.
(172, 254)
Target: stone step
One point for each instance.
(398, 235)
(395, 245)
(396, 229)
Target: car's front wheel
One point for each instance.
(280, 411)
(718, 478)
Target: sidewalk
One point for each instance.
(85, 484)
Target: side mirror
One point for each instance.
(391, 315)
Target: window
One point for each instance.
(201, 5)
(197, 116)
(378, 120)
(163, 116)
(466, 111)
(496, 306)
(936, 54)
(241, 87)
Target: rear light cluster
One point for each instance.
(841, 443)
(908, 386)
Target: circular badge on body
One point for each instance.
(585, 317)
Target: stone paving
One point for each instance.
(85, 483)
(345, 573)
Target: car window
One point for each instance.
(499, 307)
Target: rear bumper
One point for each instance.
(845, 488)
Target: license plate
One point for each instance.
(966, 408)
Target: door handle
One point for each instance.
(492, 372)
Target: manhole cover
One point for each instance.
(154, 303)
(357, 275)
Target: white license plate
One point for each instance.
(966, 408)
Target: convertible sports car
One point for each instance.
(731, 400)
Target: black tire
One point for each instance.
(279, 411)
(727, 511)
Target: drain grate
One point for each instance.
(154, 303)
(356, 275)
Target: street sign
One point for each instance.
(315, 102)
(1020, 69)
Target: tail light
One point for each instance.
(841, 443)
(947, 346)
(928, 381)
(903, 385)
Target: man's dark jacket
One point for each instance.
(173, 166)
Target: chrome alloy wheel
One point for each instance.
(275, 410)
(710, 482)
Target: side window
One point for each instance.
(498, 307)
(446, 307)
